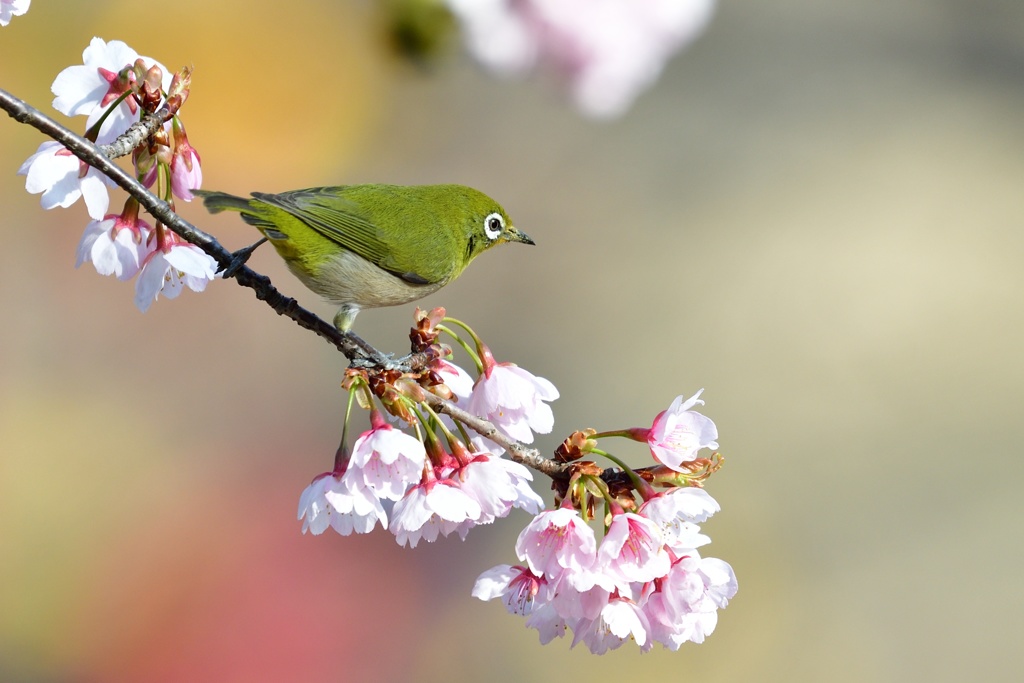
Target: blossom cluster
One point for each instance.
(113, 88)
(645, 581)
(609, 50)
(436, 483)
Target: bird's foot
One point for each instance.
(370, 358)
(239, 258)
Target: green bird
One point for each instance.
(365, 246)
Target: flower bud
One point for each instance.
(425, 332)
(181, 82)
(576, 445)
(146, 85)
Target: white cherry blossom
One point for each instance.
(117, 245)
(88, 89)
(169, 271)
(330, 501)
(62, 179)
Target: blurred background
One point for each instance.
(815, 214)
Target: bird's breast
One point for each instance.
(346, 278)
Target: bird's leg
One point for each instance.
(345, 316)
(239, 258)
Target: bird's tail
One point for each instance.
(215, 202)
(254, 212)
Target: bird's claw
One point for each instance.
(239, 258)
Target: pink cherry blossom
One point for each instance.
(645, 582)
(581, 593)
(513, 399)
(497, 485)
(457, 379)
(632, 588)
(386, 460)
(691, 503)
(676, 511)
(620, 620)
(609, 50)
(548, 622)
(168, 271)
(520, 478)
(12, 8)
(556, 541)
(519, 588)
(679, 433)
(63, 179)
(331, 501)
(186, 172)
(526, 594)
(634, 549)
(431, 509)
(461, 385)
(684, 605)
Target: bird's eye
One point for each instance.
(493, 225)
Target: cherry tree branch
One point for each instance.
(141, 130)
(529, 457)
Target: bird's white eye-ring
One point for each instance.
(494, 224)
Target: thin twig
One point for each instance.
(530, 457)
(139, 131)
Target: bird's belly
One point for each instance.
(351, 279)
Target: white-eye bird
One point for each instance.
(364, 246)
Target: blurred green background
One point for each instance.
(815, 214)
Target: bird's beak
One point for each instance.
(513, 235)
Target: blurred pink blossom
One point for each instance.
(609, 50)
(12, 8)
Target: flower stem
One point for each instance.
(467, 328)
(627, 433)
(342, 455)
(94, 130)
(645, 489)
(463, 432)
(635, 433)
(457, 448)
(465, 347)
(435, 452)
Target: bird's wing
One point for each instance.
(327, 211)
